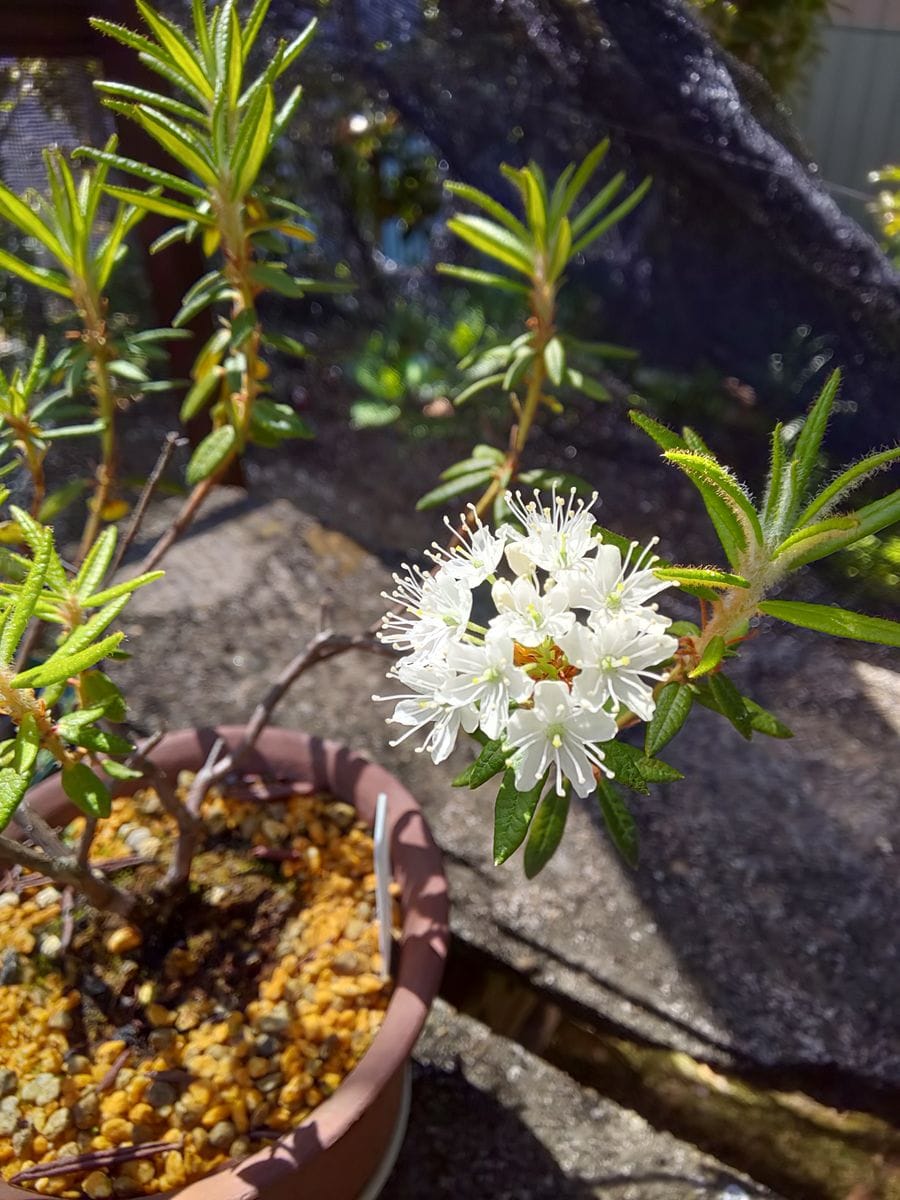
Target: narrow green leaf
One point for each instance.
(590, 387)
(705, 469)
(215, 449)
(480, 385)
(619, 822)
(776, 477)
(546, 831)
(154, 175)
(728, 701)
(489, 763)
(832, 531)
(297, 46)
(555, 360)
(654, 770)
(70, 725)
(598, 203)
(13, 787)
(285, 344)
(489, 205)
(96, 563)
(847, 480)
(705, 576)
(125, 588)
(618, 213)
(673, 704)
(806, 451)
(494, 240)
(86, 790)
(664, 437)
(711, 657)
(101, 741)
(99, 690)
(17, 211)
(586, 169)
(839, 622)
(200, 394)
(41, 277)
(21, 613)
(27, 745)
(457, 486)
(57, 669)
(513, 811)
(160, 204)
(118, 770)
(489, 278)
(278, 420)
(621, 759)
(765, 722)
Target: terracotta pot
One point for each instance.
(339, 1151)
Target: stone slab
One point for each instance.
(759, 925)
(488, 1119)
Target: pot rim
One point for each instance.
(417, 867)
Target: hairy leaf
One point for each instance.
(673, 704)
(546, 831)
(839, 622)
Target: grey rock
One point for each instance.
(9, 1115)
(9, 1081)
(86, 1111)
(43, 1089)
(57, 1123)
(160, 1094)
(222, 1134)
(10, 968)
(276, 1021)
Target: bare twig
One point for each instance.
(95, 1160)
(87, 840)
(190, 829)
(172, 441)
(106, 866)
(39, 832)
(109, 1079)
(66, 872)
(180, 524)
(67, 920)
(323, 646)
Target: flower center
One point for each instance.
(546, 661)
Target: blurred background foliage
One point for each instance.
(402, 95)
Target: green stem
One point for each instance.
(104, 394)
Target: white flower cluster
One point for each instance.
(574, 641)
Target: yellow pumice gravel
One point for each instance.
(180, 1043)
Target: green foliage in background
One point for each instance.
(778, 38)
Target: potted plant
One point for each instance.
(239, 827)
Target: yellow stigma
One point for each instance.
(557, 741)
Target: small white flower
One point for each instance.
(557, 536)
(425, 703)
(477, 551)
(437, 610)
(487, 680)
(615, 660)
(526, 615)
(605, 584)
(557, 732)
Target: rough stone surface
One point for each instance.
(758, 925)
(490, 1119)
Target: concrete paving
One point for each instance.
(489, 1120)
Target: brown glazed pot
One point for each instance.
(335, 1153)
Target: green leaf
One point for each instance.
(839, 622)
(488, 278)
(13, 787)
(848, 480)
(57, 669)
(60, 499)
(598, 203)
(828, 533)
(555, 360)
(806, 451)
(128, 370)
(98, 690)
(17, 211)
(211, 454)
(776, 479)
(278, 421)
(673, 704)
(131, 166)
(711, 657)
(619, 821)
(159, 204)
(86, 790)
(546, 831)
(612, 218)
(23, 610)
(586, 169)
(96, 563)
(727, 700)
(702, 468)
(373, 414)
(654, 770)
(664, 437)
(118, 770)
(480, 385)
(101, 741)
(489, 205)
(454, 487)
(125, 588)
(489, 763)
(26, 746)
(41, 277)
(286, 344)
(765, 722)
(200, 394)
(70, 724)
(705, 576)
(621, 758)
(493, 240)
(513, 811)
